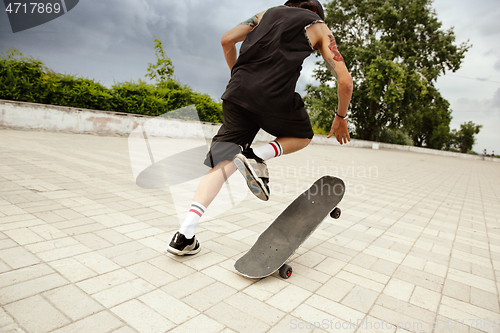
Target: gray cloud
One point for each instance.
(495, 103)
(481, 105)
(112, 41)
(496, 66)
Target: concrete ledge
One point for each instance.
(32, 116)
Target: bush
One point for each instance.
(28, 80)
(395, 136)
(66, 90)
(23, 79)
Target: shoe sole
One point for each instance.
(183, 253)
(254, 185)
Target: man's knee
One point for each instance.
(291, 145)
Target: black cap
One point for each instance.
(321, 11)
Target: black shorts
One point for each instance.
(240, 126)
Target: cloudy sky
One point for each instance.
(112, 41)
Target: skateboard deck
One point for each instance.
(291, 228)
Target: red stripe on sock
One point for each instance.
(196, 212)
(276, 152)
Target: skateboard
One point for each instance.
(291, 228)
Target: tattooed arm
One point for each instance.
(321, 37)
(251, 22)
(236, 35)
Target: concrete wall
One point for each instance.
(22, 115)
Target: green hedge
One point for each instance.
(28, 80)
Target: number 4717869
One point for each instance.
(33, 8)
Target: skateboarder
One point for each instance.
(261, 95)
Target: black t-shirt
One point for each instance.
(265, 74)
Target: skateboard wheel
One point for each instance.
(286, 271)
(335, 214)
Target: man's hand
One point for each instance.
(339, 128)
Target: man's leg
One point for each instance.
(291, 145)
(184, 241)
(251, 162)
(280, 146)
(212, 182)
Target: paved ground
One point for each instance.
(81, 246)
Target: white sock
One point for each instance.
(191, 222)
(271, 150)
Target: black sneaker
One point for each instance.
(180, 245)
(254, 169)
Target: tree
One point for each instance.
(463, 139)
(395, 51)
(163, 69)
(430, 124)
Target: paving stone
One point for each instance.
(97, 262)
(425, 298)
(81, 245)
(93, 241)
(457, 290)
(47, 316)
(472, 280)
(340, 311)
(399, 289)
(188, 285)
(360, 281)
(193, 325)
(265, 288)
(30, 287)
(101, 322)
(73, 302)
(374, 325)
(24, 236)
(135, 257)
(336, 289)
(289, 298)
(65, 252)
(168, 306)
(458, 309)
(360, 299)
(6, 242)
(105, 281)
(17, 257)
(123, 292)
(231, 278)
(310, 274)
(302, 281)
(236, 319)
(255, 308)
(13, 277)
(419, 278)
(209, 296)
(142, 318)
(152, 274)
(406, 309)
(484, 299)
(290, 323)
(6, 320)
(330, 266)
